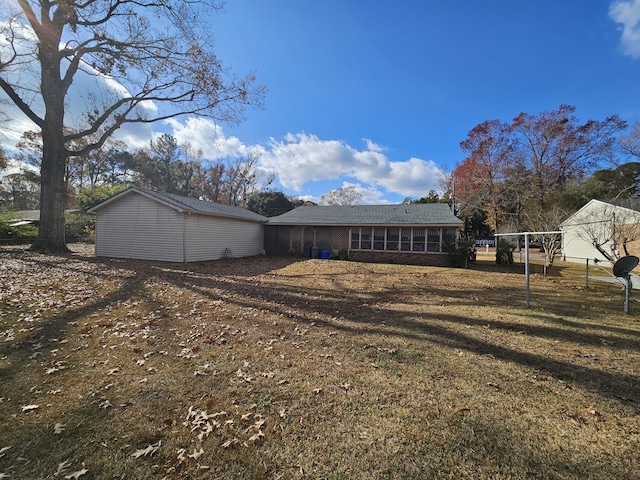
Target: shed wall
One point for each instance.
(138, 227)
(208, 238)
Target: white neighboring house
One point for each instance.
(147, 225)
(604, 224)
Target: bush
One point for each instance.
(79, 227)
(461, 253)
(504, 255)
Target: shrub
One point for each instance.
(504, 255)
(79, 227)
(462, 252)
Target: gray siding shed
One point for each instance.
(147, 225)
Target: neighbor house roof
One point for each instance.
(186, 204)
(629, 207)
(388, 215)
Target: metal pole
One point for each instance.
(586, 279)
(627, 293)
(526, 267)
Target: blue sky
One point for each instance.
(380, 94)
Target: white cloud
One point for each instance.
(372, 146)
(627, 13)
(302, 158)
(203, 134)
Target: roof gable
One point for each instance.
(412, 214)
(594, 205)
(186, 204)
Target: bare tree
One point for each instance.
(160, 53)
(547, 221)
(341, 196)
(630, 144)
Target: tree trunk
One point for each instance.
(53, 192)
(51, 234)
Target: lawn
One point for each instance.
(280, 368)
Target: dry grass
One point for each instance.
(276, 368)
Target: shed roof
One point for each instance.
(186, 204)
(384, 215)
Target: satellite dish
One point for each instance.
(624, 265)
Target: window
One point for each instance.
(393, 239)
(378, 238)
(405, 240)
(418, 239)
(449, 236)
(393, 235)
(433, 240)
(355, 239)
(365, 239)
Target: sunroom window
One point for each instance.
(393, 235)
(378, 238)
(365, 239)
(418, 239)
(433, 240)
(394, 239)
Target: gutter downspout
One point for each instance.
(184, 237)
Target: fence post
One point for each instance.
(587, 276)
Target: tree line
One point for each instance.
(529, 173)
(164, 166)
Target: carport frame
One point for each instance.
(526, 255)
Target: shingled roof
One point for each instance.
(439, 214)
(187, 204)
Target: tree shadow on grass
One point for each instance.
(439, 330)
(362, 314)
(353, 313)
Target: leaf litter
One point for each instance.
(282, 352)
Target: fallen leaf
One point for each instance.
(58, 428)
(62, 467)
(28, 408)
(195, 455)
(150, 450)
(256, 437)
(76, 475)
(228, 443)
